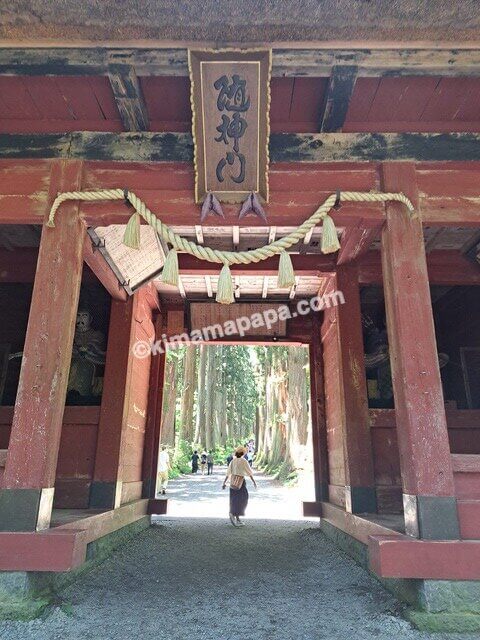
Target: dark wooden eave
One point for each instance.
(284, 147)
(129, 97)
(409, 61)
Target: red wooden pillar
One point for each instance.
(28, 485)
(427, 475)
(154, 416)
(319, 427)
(348, 403)
(106, 488)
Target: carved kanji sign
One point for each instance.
(230, 101)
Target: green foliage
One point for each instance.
(181, 462)
(181, 459)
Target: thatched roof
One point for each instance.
(229, 21)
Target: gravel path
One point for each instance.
(203, 579)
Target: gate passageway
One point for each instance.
(202, 496)
(203, 579)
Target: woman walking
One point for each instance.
(237, 471)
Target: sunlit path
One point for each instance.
(197, 496)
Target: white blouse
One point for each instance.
(239, 467)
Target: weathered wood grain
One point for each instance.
(284, 147)
(337, 100)
(286, 62)
(421, 421)
(129, 97)
(37, 421)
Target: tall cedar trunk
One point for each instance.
(275, 442)
(209, 387)
(201, 397)
(218, 404)
(169, 400)
(188, 394)
(299, 453)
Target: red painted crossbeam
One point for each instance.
(53, 550)
(403, 557)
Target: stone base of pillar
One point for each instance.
(105, 495)
(360, 499)
(433, 605)
(25, 509)
(431, 517)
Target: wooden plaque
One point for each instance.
(211, 314)
(230, 93)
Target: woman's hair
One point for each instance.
(240, 452)
(195, 451)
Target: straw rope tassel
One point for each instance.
(225, 286)
(330, 242)
(131, 237)
(170, 269)
(286, 274)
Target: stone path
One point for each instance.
(200, 578)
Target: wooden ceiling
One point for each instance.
(41, 104)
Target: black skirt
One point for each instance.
(239, 500)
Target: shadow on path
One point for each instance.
(206, 580)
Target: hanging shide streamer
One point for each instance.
(170, 269)
(225, 293)
(286, 274)
(131, 237)
(330, 242)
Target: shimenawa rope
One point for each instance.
(286, 275)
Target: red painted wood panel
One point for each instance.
(15, 99)
(463, 431)
(333, 408)
(297, 190)
(414, 104)
(307, 103)
(76, 459)
(402, 557)
(136, 419)
(168, 103)
(57, 104)
(469, 519)
(54, 550)
(65, 103)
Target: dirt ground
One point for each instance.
(202, 578)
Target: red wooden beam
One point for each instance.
(100, 268)
(37, 421)
(319, 424)
(154, 416)
(346, 396)
(304, 265)
(106, 485)
(356, 241)
(448, 268)
(53, 550)
(427, 475)
(449, 193)
(403, 557)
